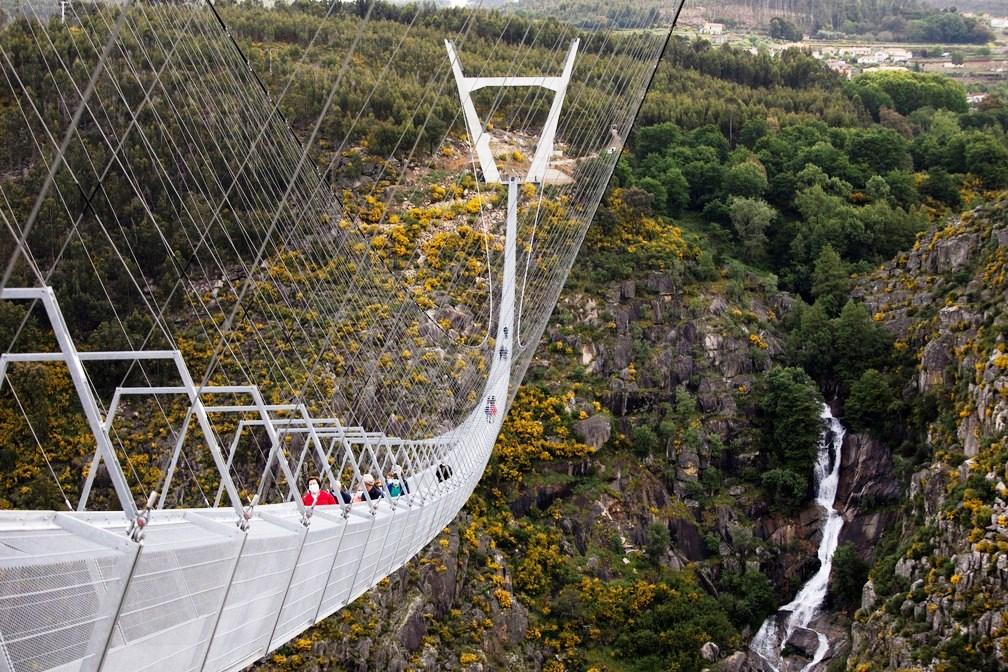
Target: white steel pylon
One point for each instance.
(477, 131)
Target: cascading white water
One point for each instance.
(769, 642)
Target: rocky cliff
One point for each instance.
(937, 593)
(622, 512)
(624, 486)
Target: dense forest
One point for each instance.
(753, 189)
(814, 202)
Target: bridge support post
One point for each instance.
(544, 148)
(477, 131)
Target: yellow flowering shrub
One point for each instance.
(536, 429)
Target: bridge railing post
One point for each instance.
(179, 441)
(211, 436)
(82, 385)
(232, 449)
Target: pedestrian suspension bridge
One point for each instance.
(198, 312)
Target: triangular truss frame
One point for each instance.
(477, 131)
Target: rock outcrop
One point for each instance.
(939, 585)
(869, 488)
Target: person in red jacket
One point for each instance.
(316, 496)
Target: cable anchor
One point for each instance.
(247, 512)
(138, 526)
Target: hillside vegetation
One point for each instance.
(648, 493)
(649, 500)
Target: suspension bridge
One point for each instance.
(223, 321)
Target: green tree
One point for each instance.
(711, 136)
(902, 188)
(656, 139)
(830, 280)
(869, 405)
(785, 490)
(828, 220)
(987, 158)
(909, 91)
(747, 179)
(658, 540)
(833, 160)
(645, 440)
(747, 598)
(942, 187)
(950, 27)
(751, 217)
(848, 576)
(810, 343)
(705, 179)
(878, 189)
(872, 96)
(782, 29)
(888, 229)
(677, 188)
(879, 149)
(384, 138)
(861, 343)
(789, 409)
(656, 189)
(752, 130)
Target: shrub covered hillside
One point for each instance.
(940, 581)
(773, 238)
(648, 504)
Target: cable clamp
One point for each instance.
(247, 512)
(137, 528)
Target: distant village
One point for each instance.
(850, 57)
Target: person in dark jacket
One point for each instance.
(374, 493)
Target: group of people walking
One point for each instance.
(371, 490)
(490, 409)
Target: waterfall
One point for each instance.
(769, 642)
